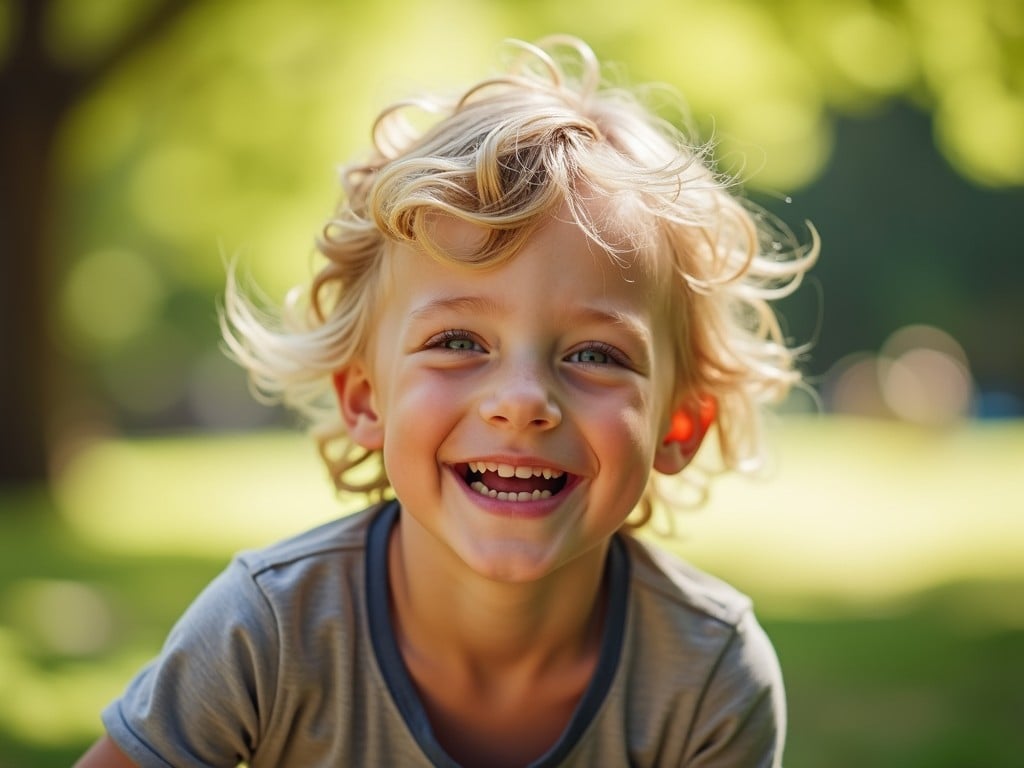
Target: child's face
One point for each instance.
(556, 363)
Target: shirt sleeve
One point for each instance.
(742, 715)
(202, 702)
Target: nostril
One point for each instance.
(523, 403)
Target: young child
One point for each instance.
(527, 312)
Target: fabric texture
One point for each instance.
(288, 659)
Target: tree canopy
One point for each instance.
(175, 134)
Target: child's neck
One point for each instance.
(443, 609)
(499, 667)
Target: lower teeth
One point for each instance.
(483, 490)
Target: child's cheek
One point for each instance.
(424, 407)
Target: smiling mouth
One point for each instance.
(505, 482)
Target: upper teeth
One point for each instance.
(507, 470)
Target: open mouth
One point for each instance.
(511, 483)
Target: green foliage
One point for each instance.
(222, 135)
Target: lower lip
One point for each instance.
(524, 510)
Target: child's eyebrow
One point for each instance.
(632, 325)
(487, 305)
(468, 304)
(586, 315)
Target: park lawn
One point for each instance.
(887, 563)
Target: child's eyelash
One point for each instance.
(612, 353)
(443, 339)
(450, 335)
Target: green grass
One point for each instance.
(887, 564)
(914, 689)
(74, 624)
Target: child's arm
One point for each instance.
(200, 700)
(105, 754)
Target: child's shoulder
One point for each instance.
(677, 584)
(347, 534)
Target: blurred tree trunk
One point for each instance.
(34, 95)
(37, 92)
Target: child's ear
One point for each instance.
(358, 406)
(690, 424)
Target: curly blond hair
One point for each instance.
(506, 155)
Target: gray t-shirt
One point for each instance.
(288, 658)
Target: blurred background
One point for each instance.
(144, 142)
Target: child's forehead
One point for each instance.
(616, 229)
(568, 260)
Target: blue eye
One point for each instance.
(595, 354)
(459, 344)
(454, 340)
(590, 356)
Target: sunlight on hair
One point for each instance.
(573, 139)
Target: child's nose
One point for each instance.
(522, 400)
